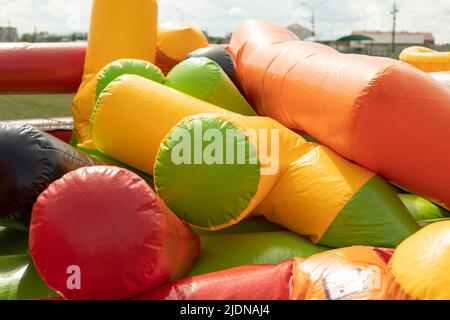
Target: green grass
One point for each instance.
(15, 107)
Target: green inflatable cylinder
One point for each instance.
(204, 79)
(423, 209)
(226, 251)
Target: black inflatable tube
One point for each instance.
(30, 160)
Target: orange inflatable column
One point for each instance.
(354, 273)
(175, 41)
(380, 113)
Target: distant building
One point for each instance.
(442, 47)
(381, 45)
(8, 34)
(343, 43)
(300, 31)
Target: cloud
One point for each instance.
(219, 17)
(236, 11)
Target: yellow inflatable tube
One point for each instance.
(119, 29)
(187, 143)
(419, 269)
(426, 59)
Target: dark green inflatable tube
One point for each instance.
(19, 278)
(13, 242)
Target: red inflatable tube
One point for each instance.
(102, 233)
(60, 128)
(381, 113)
(259, 282)
(41, 67)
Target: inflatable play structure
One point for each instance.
(426, 59)
(367, 109)
(272, 169)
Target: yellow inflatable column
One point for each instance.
(426, 59)
(214, 168)
(175, 41)
(119, 29)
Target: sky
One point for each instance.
(219, 17)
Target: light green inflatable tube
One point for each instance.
(201, 78)
(204, 79)
(422, 209)
(226, 251)
(250, 225)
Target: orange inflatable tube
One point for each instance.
(381, 113)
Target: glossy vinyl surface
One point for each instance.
(223, 58)
(221, 252)
(175, 40)
(204, 79)
(265, 282)
(381, 113)
(109, 223)
(29, 161)
(419, 267)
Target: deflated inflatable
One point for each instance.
(123, 240)
(380, 113)
(175, 40)
(349, 204)
(118, 30)
(30, 161)
(355, 273)
(274, 283)
(426, 59)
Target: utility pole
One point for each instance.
(35, 34)
(313, 15)
(394, 27)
